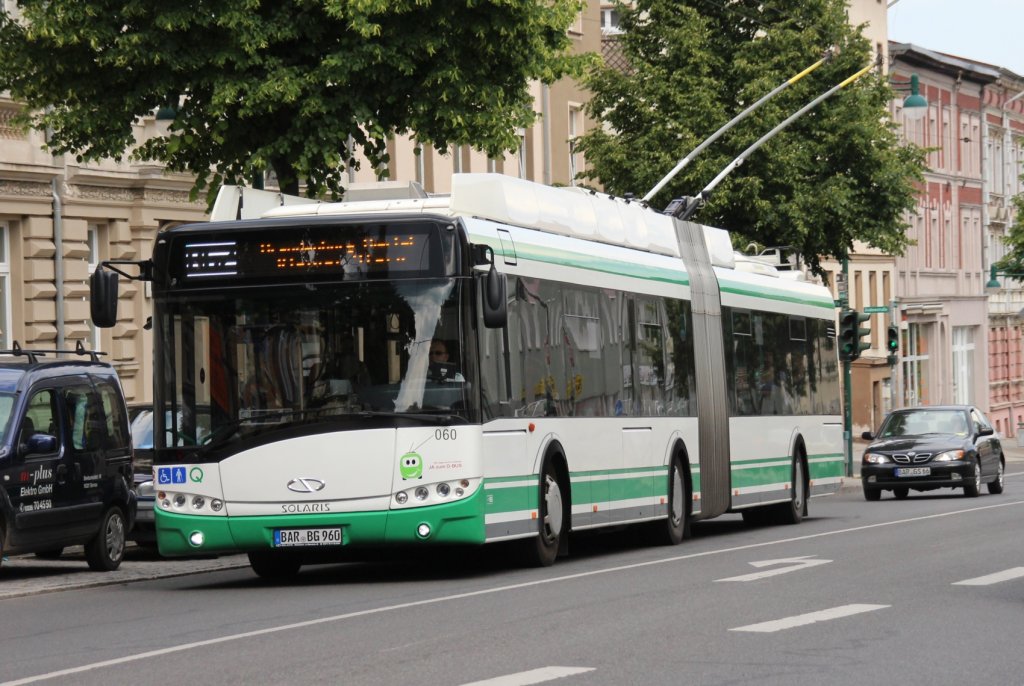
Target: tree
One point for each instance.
(281, 84)
(837, 175)
(1013, 261)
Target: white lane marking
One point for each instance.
(534, 676)
(481, 592)
(989, 579)
(810, 618)
(794, 563)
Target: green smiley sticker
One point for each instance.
(411, 466)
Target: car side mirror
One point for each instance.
(986, 431)
(40, 444)
(868, 436)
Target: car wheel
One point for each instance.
(901, 492)
(543, 549)
(677, 524)
(106, 549)
(871, 493)
(972, 489)
(274, 566)
(995, 486)
(53, 554)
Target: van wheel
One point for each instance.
(274, 566)
(543, 548)
(53, 554)
(106, 549)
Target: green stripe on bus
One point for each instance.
(546, 254)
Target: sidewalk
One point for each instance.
(24, 575)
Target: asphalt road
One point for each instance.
(927, 589)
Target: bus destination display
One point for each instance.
(353, 254)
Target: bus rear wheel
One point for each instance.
(273, 565)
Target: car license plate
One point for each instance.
(913, 471)
(284, 538)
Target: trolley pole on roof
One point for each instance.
(683, 208)
(736, 120)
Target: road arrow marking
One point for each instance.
(794, 563)
(810, 618)
(990, 579)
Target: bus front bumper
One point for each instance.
(459, 522)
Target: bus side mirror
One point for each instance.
(103, 298)
(495, 309)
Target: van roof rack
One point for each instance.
(34, 355)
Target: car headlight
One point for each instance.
(949, 456)
(875, 458)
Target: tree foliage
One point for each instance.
(281, 84)
(1013, 262)
(835, 176)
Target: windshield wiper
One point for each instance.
(418, 416)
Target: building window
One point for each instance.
(963, 364)
(915, 365)
(5, 289)
(522, 153)
(610, 20)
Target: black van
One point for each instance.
(65, 456)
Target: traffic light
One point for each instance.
(893, 343)
(850, 333)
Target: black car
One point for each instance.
(65, 456)
(924, 448)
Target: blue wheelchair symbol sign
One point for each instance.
(170, 475)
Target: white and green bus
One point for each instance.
(510, 361)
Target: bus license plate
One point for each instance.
(913, 471)
(284, 538)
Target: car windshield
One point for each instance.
(920, 422)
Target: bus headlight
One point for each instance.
(401, 497)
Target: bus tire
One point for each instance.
(274, 566)
(106, 549)
(676, 526)
(793, 511)
(542, 550)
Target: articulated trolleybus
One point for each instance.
(512, 361)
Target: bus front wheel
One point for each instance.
(274, 566)
(543, 548)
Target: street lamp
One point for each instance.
(915, 106)
(993, 282)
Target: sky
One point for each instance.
(982, 30)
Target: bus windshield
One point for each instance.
(256, 360)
